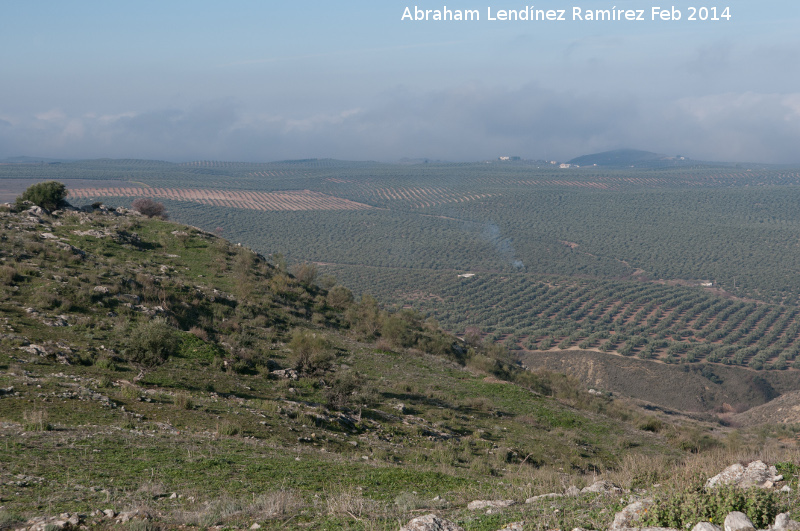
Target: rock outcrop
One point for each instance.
(756, 474)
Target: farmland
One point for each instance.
(606, 259)
(288, 200)
(673, 324)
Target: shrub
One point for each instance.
(8, 274)
(310, 352)
(686, 507)
(652, 424)
(305, 272)
(397, 331)
(8, 520)
(183, 400)
(473, 336)
(149, 208)
(339, 297)
(130, 392)
(105, 363)
(36, 420)
(49, 195)
(341, 392)
(199, 333)
(151, 343)
(227, 428)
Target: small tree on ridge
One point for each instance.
(48, 195)
(149, 208)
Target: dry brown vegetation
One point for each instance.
(252, 200)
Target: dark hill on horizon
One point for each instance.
(33, 160)
(630, 157)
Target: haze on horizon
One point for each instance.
(261, 81)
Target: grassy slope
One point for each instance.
(84, 427)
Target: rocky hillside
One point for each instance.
(155, 375)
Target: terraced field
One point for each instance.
(674, 324)
(272, 201)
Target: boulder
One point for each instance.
(756, 473)
(706, 526)
(35, 349)
(737, 521)
(543, 497)
(285, 373)
(602, 487)
(430, 522)
(730, 475)
(784, 523)
(513, 526)
(572, 491)
(484, 504)
(631, 515)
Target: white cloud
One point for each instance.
(53, 115)
(467, 122)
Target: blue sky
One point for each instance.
(269, 80)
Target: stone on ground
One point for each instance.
(737, 521)
(483, 504)
(430, 522)
(631, 515)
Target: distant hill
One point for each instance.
(32, 160)
(411, 161)
(629, 157)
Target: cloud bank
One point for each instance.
(465, 122)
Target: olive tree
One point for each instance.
(48, 195)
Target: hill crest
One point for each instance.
(627, 158)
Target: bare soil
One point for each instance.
(682, 387)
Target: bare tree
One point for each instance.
(150, 208)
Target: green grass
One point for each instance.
(98, 425)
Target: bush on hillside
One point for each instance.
(343, 389)
(305, 272)
(151, 342)
(149, 208)
(311, 353)
(339, 297)
(48, 195)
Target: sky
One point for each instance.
(269, 80)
